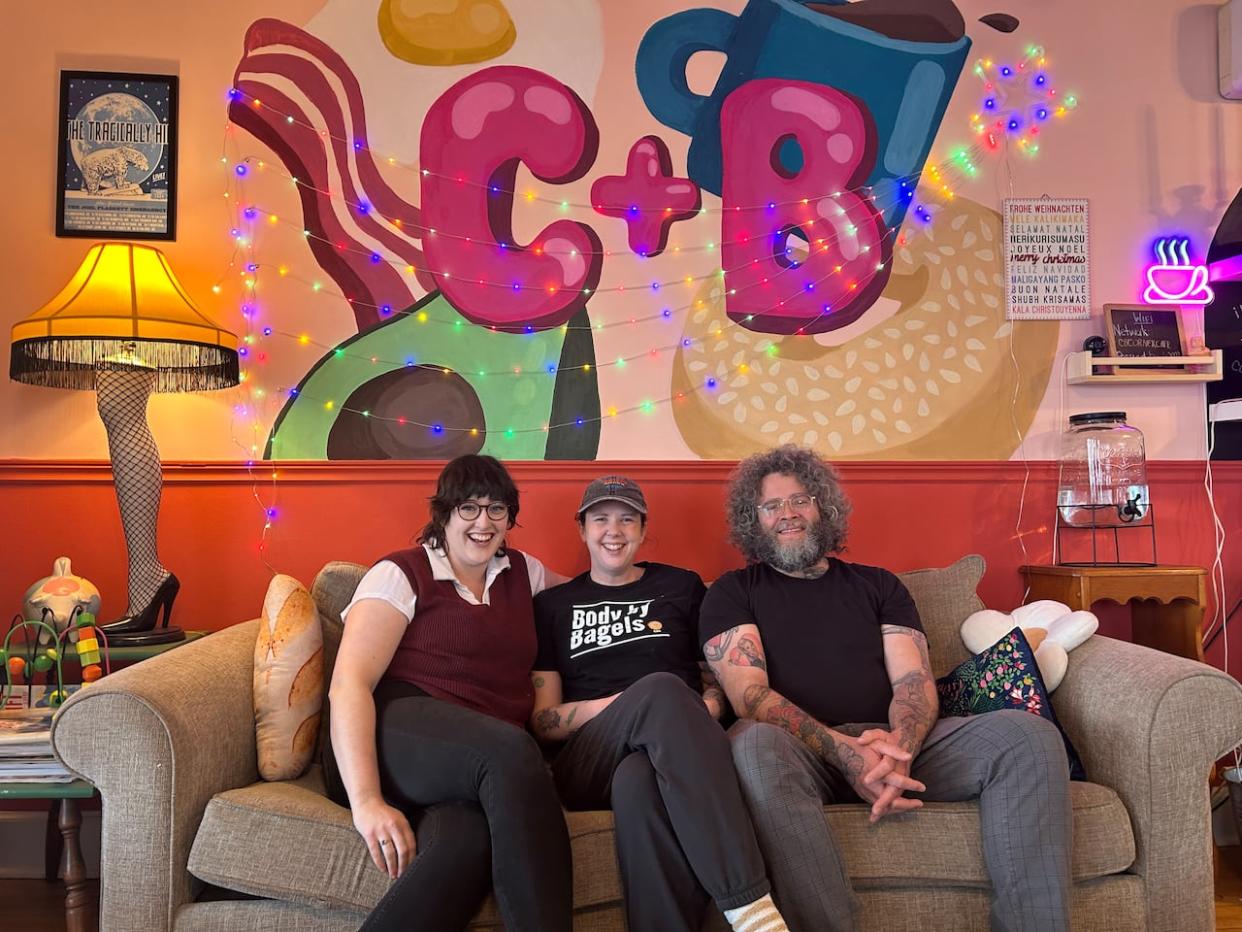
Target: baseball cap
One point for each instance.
(613, 489)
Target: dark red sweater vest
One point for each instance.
(478, 656)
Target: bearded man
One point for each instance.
(825, 663)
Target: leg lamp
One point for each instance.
(124, 327)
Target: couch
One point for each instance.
(194, 841)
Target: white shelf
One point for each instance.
(1206, 368)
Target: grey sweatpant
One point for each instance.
(1013, 762)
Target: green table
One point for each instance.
(80, 905)
(63, 852)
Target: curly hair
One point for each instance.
(468, 476)
(815, 475)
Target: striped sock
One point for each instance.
(759, 916)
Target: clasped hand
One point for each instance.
(885, 774)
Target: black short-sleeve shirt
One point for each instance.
(601, 639)
(821, 637)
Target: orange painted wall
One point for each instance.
(906, 515)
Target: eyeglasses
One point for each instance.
(799, 502)
(469, 510)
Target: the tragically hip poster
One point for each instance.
(118, 155)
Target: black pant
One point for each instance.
(433, 753)
(449, 877)
(683, 831)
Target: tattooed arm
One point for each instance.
(915, 704)
(554, 720)
(713, 695)
(736, 657)
(911, 713)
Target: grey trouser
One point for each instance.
(1013, 762)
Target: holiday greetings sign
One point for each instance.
(1047, 261)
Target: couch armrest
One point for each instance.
(1150, 725)
(158, 740)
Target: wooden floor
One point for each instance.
(1229, 889)
(35, 906)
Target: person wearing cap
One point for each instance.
(620, 690)
(429, 700)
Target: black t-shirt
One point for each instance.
(821, 637)
(601, 639)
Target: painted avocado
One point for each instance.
(440, 386)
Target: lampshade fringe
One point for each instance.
(71, 362)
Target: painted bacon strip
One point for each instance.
(293, 73)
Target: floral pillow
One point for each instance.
(1003, 677)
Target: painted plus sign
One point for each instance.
(647, 197)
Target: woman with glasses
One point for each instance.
(429, 700)
(619, 686)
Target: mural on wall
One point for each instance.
(821, 310)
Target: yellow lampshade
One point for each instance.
(123, 309)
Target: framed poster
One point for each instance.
(117, 156)
(1143, 330)
(1047, 259)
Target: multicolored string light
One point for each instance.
(528, 195)
(248, 219)
(1018, 99)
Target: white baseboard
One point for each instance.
(22, 836)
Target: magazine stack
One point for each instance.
(26, 748)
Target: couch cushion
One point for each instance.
(332, 590)
(942, 842)
(323, 862)
(945, 597)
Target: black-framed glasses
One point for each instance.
(774, 506)
(469, 510)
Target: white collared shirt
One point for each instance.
(387, 582)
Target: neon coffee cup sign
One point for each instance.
(1173, 278)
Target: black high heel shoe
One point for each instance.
(139, 629)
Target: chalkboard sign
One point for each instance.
(1143, 330)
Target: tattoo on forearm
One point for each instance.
(539, 682)
(784, 714)
(570, 719)
(747, 654)
(753, 698)
(715, 649)
(547, 720)
(912, 712)
(914, 706)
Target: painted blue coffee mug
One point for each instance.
(903, 85)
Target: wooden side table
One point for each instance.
(1167, 602)
(80, 905)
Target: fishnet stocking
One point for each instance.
(122, 397)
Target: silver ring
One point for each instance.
(383, 842)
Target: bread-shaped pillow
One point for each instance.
(288, 680)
